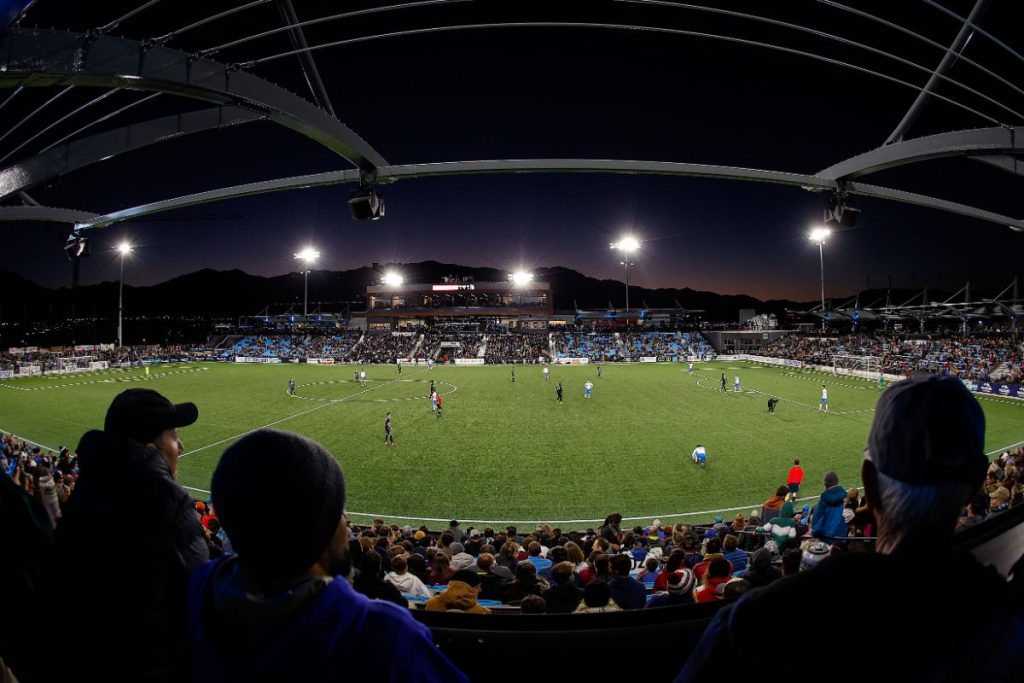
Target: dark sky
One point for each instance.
(552, 92)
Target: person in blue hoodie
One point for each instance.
(282, 609)
(827, 523)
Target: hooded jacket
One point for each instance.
(318, 630)
(408, 584)
(828, 522)
(783, 527)
(459, 595)
(127, 541)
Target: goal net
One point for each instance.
(858, 366)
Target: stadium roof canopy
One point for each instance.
(119, 77)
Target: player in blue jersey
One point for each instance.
(699, 455)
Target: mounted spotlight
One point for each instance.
(838, 213)
(366, 204)
(77, 245)
(393, 279)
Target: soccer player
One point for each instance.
(399, 367)
(689, 370)
(291, 387)
(558, 391)
(736, 384)
(795, 478)
(699, 455)
(881, 383)
(547, 373)
(362, 377)
(433, 401)
(587, 388)
(513, 375)
(355, 375)
(389, 436)
(723, 381)
(599, 372)
(432, 388)
(771, 404)
(823, 404)
(438, 410)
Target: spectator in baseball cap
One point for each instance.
(126, 489)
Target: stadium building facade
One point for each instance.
(391, 307)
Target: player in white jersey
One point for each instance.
(736, 384)
(587, 388)
(362, 377)
(547, 373)
(689, 370)
(699, 455)
(823, 404)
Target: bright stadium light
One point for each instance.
(819, 235)
(308, 256)
(627, 245)
(124, 248)
(393, 279)
(521, 278)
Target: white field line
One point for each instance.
(290, 417)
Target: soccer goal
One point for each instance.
(868, 367)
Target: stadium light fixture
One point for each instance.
(819, 235)
(521, 278)
(393, 279)
(124, 248)
(627, 245)
(308, 256)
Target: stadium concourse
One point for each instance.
(679, 574)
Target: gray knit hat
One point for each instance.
(274, 542)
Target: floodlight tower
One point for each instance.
(123, 249)
(520, 279)
(308, 256)
(627, 245)
(819, 235)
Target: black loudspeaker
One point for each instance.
(838, 214)
(366, 204)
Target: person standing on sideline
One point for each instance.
(795, 478)
(881, 383)
(282, 608)
(558, 391)
(389, 435)
(587, 388)
(291, 387)
(925, 458)
(823, 404)
(699, 455)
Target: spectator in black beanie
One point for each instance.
(282, 609)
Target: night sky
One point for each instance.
(553, 92)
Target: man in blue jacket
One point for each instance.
(827, 521)
(282, 609)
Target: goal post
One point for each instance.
(867, 367)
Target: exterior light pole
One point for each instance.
(819, 235)
(308, 256)
(627, 245)
(124, 249)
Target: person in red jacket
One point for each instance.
(795, 478)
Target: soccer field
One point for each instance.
(508, 452)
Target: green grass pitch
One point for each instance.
(509, 452)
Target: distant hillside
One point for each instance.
(211, 293)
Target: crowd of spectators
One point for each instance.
(441, 346)
(597, 346)
(384, 347)
(665, 345)
(516, 347)
(985, 358)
